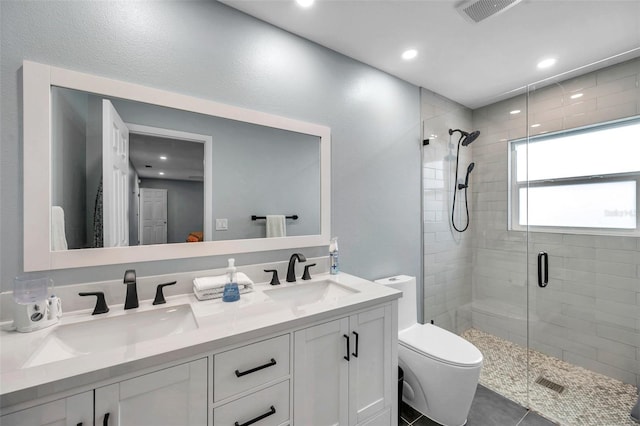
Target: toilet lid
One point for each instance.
(440, 344)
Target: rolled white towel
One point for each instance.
(212, 287)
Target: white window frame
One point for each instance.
(515, 186)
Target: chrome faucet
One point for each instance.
(131, 300)
(291, 270)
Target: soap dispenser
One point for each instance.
(231, 293)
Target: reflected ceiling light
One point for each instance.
(161, 173)
(546, 63)
(515, 111)
(163, 157)
(409, 54)
(576, 96)
(535, 125)
(305, 3)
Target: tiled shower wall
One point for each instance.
(589, 314)
(447, 253)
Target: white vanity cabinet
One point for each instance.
(343, 370)
(172, 396)
(76, 410)
(326, 367)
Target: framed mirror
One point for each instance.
(116, 172)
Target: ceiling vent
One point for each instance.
(479, 10)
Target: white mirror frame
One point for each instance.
(38, 256)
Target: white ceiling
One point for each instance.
(472, 63)
(183, 158)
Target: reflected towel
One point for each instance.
(58, 237)
(276, 226)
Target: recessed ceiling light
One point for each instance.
(577, 95)
(546, 63)
(409, 54)
(515, 111)
(535, 125)
(161, 173)
(305, 3)
(163, 157)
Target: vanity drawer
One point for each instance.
(244, 368)
(270, 406)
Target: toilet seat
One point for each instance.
(440, 345)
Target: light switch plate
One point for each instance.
(222, 224)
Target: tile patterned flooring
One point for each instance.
(488, 409)
(589, 399)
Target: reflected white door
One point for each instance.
(153, 216)
(115, 182)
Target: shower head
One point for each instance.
(470, 138)
(466, 137)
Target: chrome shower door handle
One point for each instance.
(543, 258)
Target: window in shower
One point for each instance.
(583, 180)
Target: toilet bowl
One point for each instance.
(441, 369)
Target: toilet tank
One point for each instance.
(407, 305)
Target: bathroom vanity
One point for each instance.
(321, 351)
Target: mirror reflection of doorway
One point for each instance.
(153, 216)
(171, 161)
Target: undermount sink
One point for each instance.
(309, 293)
(98, 335)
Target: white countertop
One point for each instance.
(219, 324)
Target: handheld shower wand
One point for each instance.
(466, 179)
(465, 139)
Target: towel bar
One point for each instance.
(254, 217)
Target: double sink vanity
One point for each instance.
(321, 351)
(313, 352)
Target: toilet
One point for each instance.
(441, 369)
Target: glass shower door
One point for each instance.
(574, 186)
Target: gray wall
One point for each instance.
(208, 50)
(184, 207)
(69, 128)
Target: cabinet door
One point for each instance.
(173, 396)
(321, 374)
(72, 411)
(370, 387)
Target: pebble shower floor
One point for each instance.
(588, 398)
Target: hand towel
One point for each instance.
(276, 226)
(58, 237)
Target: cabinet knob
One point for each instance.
(105, 422)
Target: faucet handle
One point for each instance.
(101, 304)
(306, 275)
(274, 277)
(130, 276)
(159, 299)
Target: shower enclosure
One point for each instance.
(546, 279)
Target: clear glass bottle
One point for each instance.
(334, 265)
